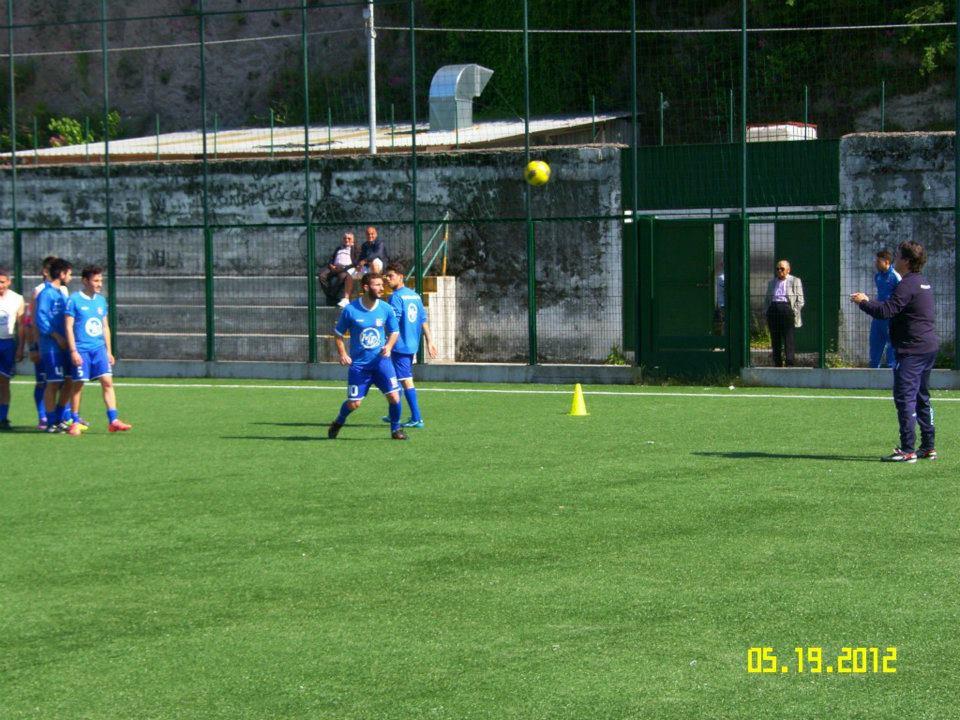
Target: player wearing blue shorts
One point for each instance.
(11, 342)
(91, 356)
(49, 320)
(373, 332)
(412, 320)
(32, 336)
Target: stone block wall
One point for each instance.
(158, 212)
(895, 187)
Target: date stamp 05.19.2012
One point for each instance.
(814, 660)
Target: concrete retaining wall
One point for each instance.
(578, 263)
(894, 174)
(840, 378)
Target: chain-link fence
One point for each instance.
(212, 156)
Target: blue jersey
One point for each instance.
(50, 315)
(368, 330)
(411, 315)
(886, 282)
(88, 317)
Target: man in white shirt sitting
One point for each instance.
(342, 267)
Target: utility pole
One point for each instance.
(372, 74)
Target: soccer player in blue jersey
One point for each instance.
(412, 319)
(33, 338)
(91, 354)
(373, 332)
(54, 361)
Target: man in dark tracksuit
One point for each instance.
(914, 338)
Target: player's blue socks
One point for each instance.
(38, 391)
(75, 416)
(411, 394)
(344, 411)
(395, 410)
(4, 409)
(112, 414)
(61, 414)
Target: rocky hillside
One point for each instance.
(254, 63)
(252, 59)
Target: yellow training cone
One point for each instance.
(578, 407)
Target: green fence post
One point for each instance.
(158, 136)
(112, 288)
(956, 196)
(883, 105)
(531, 237)
(593, 118)
(417, 235)
(729, 308)
(745, 220)
(822, 344)
(417, 230)
(271, 133)
(216, 132)
(307, 215)
(393, 127)
(86, 138)
(730, 122)
(660, 112)
(208, 293)
(108, 207)
(18, 261)
(208, 288)
(634, 188)
(329, 128)
(36, 142)
(312, 339)
(11, 81)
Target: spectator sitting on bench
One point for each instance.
(340, 270)
(373, 255)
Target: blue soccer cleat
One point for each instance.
(413, 424)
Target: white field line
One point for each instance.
(730, 395)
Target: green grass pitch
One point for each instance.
(224, 560)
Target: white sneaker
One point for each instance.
(343, 302)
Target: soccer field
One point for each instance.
(225, 560)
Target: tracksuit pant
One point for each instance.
(880, 341)
(780, 321)
(911, 395)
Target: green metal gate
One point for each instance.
(812, 246)
(683, 328)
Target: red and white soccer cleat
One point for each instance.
(900, 456)
(119, 425)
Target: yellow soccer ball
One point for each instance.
(537, 173)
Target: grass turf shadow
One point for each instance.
(320, 425)
(301, 438)
(750, 455)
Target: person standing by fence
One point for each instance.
(784, 302)
(11, 341)
(886, 279)
(910, 310)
